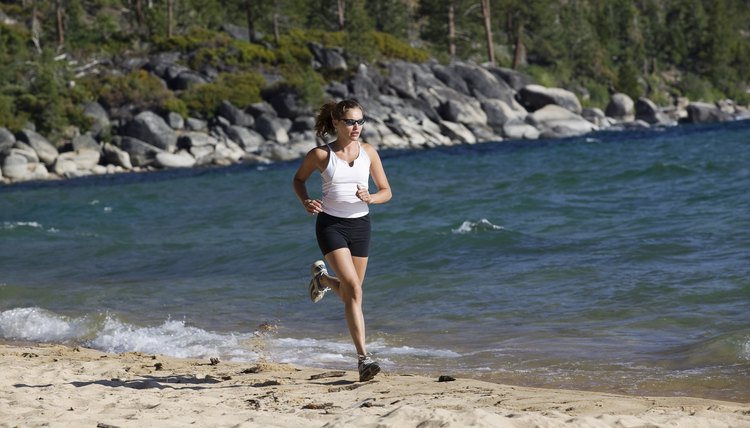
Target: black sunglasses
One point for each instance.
(351, 122)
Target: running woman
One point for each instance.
(343, 220)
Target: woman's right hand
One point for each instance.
(313, 206)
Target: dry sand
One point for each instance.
(59, 386)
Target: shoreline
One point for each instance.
(77, 386)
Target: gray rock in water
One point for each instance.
(706, 113)
(647, 111)
(141, 153)
(554, 121)
(44, 149)
(181, 159)
(113, 155)
(517, 129)
(150, 128)
(79, 160)
(620, 107)
(535, 97)
(16, 167)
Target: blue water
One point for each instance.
(613, 262)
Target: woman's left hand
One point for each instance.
(364, 194)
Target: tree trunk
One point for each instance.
(139, 13)
(170, 18)
(451, 31)
(519, 50)
(488, 31)
(60, 25)
(36, 27)
(250, 20)
(341, 7)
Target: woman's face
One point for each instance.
(351, 124)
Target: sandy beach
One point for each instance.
(55, 385)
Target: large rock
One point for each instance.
(365, 83)
(181, 159)
(463, 112)
(450, 78)
(248, 139)
(513, 78)
(554, 121)
(7, 139)
(141, 153)
(187, 79)
(100, 123)
(79, 160)
(196, 139)
(647, 111)
(329, 59)
(499, 112)
(535, 97)
(698, 112)
(150, 128)
(620, 107)
(401, 79)
(44, 149)
(113, 155)
(482, 84)
(457, 132)
(85, 142)
(517, 129)
(271, 128)
(25, 150)
(16, 167)
(286, 103)
(234, 115)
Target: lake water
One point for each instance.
(613, 262)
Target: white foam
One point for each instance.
(178, 339)
(15, 224)
(478, 226)
(36, 324)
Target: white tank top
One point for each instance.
(340, 185)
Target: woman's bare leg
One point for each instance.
(347, 284)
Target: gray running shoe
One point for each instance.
(368, 368)
(317, 289)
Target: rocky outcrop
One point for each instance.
(408, 106)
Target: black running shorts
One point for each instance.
(336, 232)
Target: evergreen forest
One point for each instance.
(57, 54)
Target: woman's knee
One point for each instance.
(351, 288)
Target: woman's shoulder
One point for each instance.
(369, 148)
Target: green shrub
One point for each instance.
(241, 89)
(394, 48)
(140, 89)
(176, 105)
(306, 82)
(697, 89)
(9, 117)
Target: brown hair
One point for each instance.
(330, 111)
